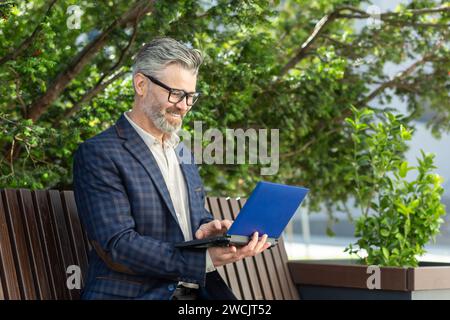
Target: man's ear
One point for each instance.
(140, 84)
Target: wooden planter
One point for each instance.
(347, 279)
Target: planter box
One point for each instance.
(347, 279)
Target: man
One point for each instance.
(136, 198)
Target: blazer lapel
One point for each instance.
(137, 147)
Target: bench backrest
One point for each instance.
(41, 236)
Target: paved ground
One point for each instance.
(332, 248)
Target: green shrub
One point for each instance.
(401, 211)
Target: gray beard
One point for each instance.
(157, 116)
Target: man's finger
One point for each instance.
(199, 234)
(251, 245)
(206, 229)
(226, 254)
(216, 224)
(227, 250)
(260, 244)
(230, 255)
(226, 223)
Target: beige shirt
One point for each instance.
(169, 166)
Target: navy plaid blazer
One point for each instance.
(126, 210)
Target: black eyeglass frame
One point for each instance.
(172, 90)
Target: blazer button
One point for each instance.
(171, 287)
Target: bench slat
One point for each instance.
(251, 265)
(278, 265)
(39, 268)
(23, 263)
(76, 233)
(8, 276)
(249, 262)
(2, 296)
(233, 271)
(284, 259)
(51, 245)
(62, 236)
(230, 270)
(261, 270)
(244, 282)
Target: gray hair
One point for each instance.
(161, 52)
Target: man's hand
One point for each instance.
(213, 228)
(224, 255)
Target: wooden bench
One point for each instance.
(41, 235)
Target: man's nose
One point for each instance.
(182, 105)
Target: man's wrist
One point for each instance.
(209, 264)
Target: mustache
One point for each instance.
(175, 111)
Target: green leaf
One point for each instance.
(405, 134)
(385, 252)
(403, 170)
(414, 204)
(384, 233)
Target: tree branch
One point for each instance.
(400, 76)
(28, 41)
(40, 105)
(305, 146)
(88, 96)
(100, 86)
(391, 83)
(301, 53)
(420, 25)
(361, 14)
(18, 82)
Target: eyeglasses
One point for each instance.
(176, 95)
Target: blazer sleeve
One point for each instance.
(105, 212)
